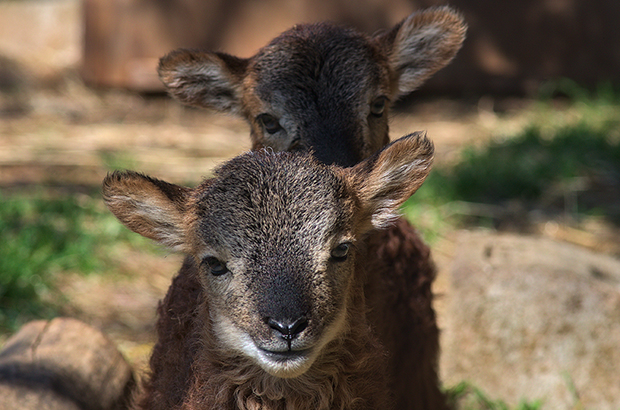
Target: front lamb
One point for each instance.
(281, 320)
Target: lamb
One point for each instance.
(325, 89)
(277, 239)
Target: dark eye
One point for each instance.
(270, 123)
(378, 106)
(340, 252)
(216, 266)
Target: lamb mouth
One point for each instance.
(286, 355)
(285, 364)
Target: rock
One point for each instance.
(530, 318)
(63, 364)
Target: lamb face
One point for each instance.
(275, 245)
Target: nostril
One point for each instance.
(299, 326)
(275, 325)
(286, 328)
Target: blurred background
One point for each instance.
(526, 121)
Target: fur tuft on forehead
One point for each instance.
(273, 196)
(298, 174)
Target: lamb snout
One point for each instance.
(288, 329)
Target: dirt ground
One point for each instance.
(71, 135)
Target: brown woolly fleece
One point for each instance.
(186, 365)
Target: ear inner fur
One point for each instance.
(148, 206)
(388, 178)
(204, 79)
(422, 44)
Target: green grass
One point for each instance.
(43, 236)
(563, 161)
(465, 396)
(528, 165)
(114, 160)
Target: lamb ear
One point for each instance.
(204, 79)
(148, 206)
(387, 179)
(422, 44)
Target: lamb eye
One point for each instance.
(269, 122)
(340, 252)
(378, 106)
(216, 266)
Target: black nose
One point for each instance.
(288, 329)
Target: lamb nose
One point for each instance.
(286, 328)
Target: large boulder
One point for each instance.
(63, 364)
(530, 318)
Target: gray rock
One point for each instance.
(63, 364)
(530, 318)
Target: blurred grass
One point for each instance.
(113, 160)
(563, 162)
(466, 396)
(45, 235)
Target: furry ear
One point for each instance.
(422, 44)
(204, 79)
(148, 206)
(387, 179)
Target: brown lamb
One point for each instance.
(277, 243)
(327, 90)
